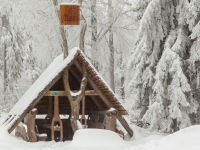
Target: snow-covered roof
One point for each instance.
(55, 68)
(50, 76)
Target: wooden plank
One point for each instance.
(109, 94)
(88, 68)
(95, 78)
(92, 73)
(83, 62)
(125, 124)
(63, 93)
(101, 85)
(42, 102)
(103, 88)
(98, 82)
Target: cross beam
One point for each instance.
(63, 93)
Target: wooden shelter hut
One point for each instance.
(46, 104)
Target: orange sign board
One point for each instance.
(69, 14)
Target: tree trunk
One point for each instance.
(83, 30)
(5, 25)
(111, 46)
(94, 32)
(75, 100)
(122, 76)
(4, 72)
(176, 128)
(62, 32)
(93, 22)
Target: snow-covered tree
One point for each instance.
(12, 46)
(17, 57)
(31, 67)
(162, 58)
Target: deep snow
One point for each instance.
(185, 139)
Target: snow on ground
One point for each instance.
(98, 139)
(88, 139)
(185, 139)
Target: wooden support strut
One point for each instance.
(83, 113)
(56, 118)
(49, 115)
(125, 124)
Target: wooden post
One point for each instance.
(110, 122)
(49, 115)
(83, 113)
(56, 118)
(30, 122)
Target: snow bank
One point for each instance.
(97, 138)
(185, 139)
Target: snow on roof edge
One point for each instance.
(77, 4)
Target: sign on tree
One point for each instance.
(69, 14)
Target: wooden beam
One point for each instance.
(125, 124)
(63, 93)
(95, 87)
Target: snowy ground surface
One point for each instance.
(186, 139)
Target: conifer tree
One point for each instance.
(162, 57)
